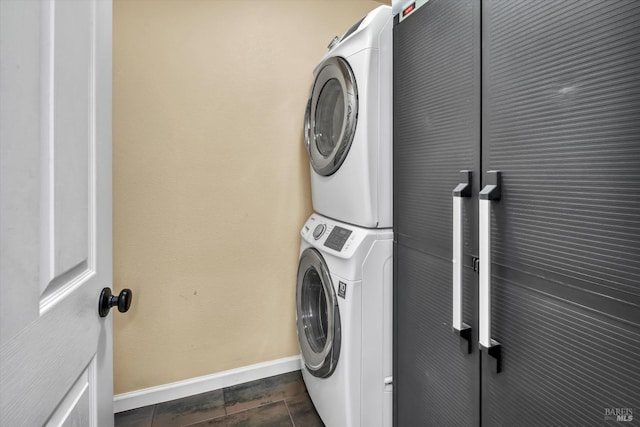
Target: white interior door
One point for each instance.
(55, 212)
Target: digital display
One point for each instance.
(337, 238)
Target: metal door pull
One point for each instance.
(463, 189)
(491, 192)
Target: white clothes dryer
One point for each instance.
(348, 125)
(344, 321)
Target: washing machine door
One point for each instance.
(331, 116)
(317, 315)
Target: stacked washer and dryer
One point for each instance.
(345, 271)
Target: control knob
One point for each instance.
(319, 231)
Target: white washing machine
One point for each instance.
(344, 321)
(348, 125)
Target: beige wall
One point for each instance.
(210, 178)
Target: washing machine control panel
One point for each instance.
(337, 238)
(331, 236)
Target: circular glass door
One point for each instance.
(330, 119)
(318, 317)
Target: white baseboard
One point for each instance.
(180, 389)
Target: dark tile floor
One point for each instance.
(276, 401)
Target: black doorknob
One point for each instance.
(108, 300)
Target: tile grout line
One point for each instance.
(259, 406)
(153, 415)
(224, 400)
(293, 423)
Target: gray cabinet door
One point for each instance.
(555, 107)
(561, 121)
(436, 134)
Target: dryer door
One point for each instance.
(331, 116)
(318, 317)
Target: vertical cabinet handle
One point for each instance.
(463, 189)
(490, 193)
